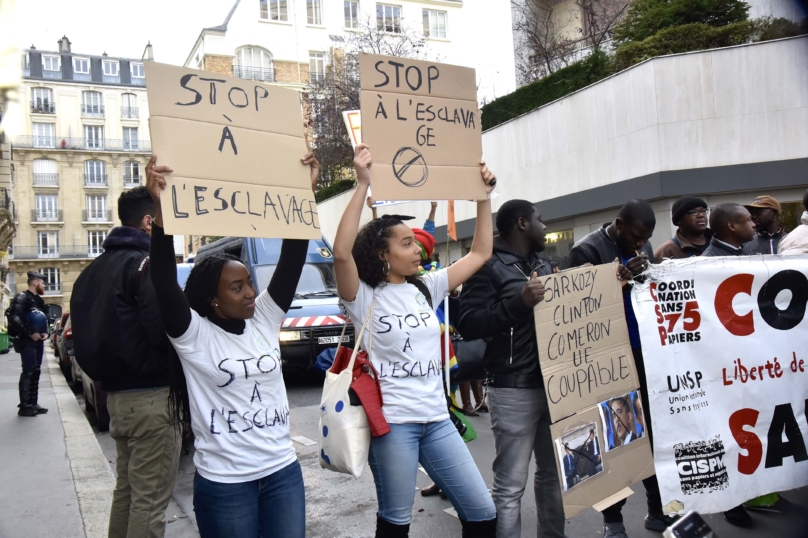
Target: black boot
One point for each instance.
(385, 529)
(25, 395)
(33, 394)
(479, 529)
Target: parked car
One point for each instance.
(65, 347)
(95, 398)
(57, 332)
(314, 322)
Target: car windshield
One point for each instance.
(315, 280)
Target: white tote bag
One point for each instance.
(344, 430)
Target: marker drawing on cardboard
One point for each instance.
(422, 124)
(235, 147)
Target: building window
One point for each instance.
(81, 66)
(130, 140)
(110, 68)
(45, 173)
(93, 137)
(53, 279)
(316, 66)
(95, 173)
(138, 70)
(96, 208)
(42, 101)
(351, 14)
(92, 104)
(435, 23)
(254, 63)
(26, 62)
(51, 63)
(44, 136)
(48, 244)
(388, 18)
(47, 208)
(314, 11)
(129, 109)
(131, 174)
(95, 242)
(274, 10)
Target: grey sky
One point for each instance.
(120, 28)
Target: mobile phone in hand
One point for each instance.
(691, 525)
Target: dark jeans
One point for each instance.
(270, 507)
(613, 514)
(31, 354)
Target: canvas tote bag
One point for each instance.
(344, 430)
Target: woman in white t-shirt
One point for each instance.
(248, 481)
(380, 265)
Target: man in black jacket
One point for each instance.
(29, 343)
(120, 342)
(732, 226)
(497, 304)
(627, 240)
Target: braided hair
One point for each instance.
(372, 241)
(203, 282)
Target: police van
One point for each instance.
(314, 322)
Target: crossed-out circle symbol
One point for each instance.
(410, 168)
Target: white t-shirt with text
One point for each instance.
(239, 410)
(406, 347)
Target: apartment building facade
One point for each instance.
(85, 141)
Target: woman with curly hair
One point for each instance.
(380, 265)
(248, 481)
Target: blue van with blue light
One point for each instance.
(314, 322)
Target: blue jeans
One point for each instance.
(439, 448)
(270, 507)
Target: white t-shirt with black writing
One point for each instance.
(406, 347)
(239, 410)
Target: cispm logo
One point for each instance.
(701, 466)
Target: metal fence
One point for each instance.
(51, 252)
(46, 180)
(43, 107)
(254, 73)
(92, 110)
(46, 215)
(130, 112)
(78, 143)
(93, 215)
(95, 180)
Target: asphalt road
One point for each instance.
(340, 507)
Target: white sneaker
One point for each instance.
(614, 530)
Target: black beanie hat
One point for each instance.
(683, 205)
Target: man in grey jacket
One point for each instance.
(732, 227)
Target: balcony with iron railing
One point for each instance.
(95, 180)
(52, 251)
(92, 111)
(43, 107)
(131, 181)
(46, 180)
(77, 143)
(96, 215)
(130, 112)
(316, 77)
(46, 215)
(254, 73)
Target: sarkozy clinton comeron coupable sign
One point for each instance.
(725, 342)
(235, 147)
(422, 124)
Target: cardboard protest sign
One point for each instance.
(593, 472)
(235, 147)
(584, 350)
(353, 122)
(591, 383)
(728, 382)
(422, 124)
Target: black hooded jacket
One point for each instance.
(117, 332)
(491, 307)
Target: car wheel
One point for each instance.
(103, 420)
(67, 371)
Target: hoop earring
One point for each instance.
(386, 268)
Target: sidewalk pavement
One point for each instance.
(55, 479)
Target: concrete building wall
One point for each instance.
(723, 123)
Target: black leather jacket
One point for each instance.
(20, 306)
(491, 307)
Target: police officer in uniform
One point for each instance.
(29, 323)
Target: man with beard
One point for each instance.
(497, 305)
(765, 212)
(692, 237)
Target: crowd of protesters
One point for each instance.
(159, 351)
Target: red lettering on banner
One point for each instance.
(746, 440)
(726, 292)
